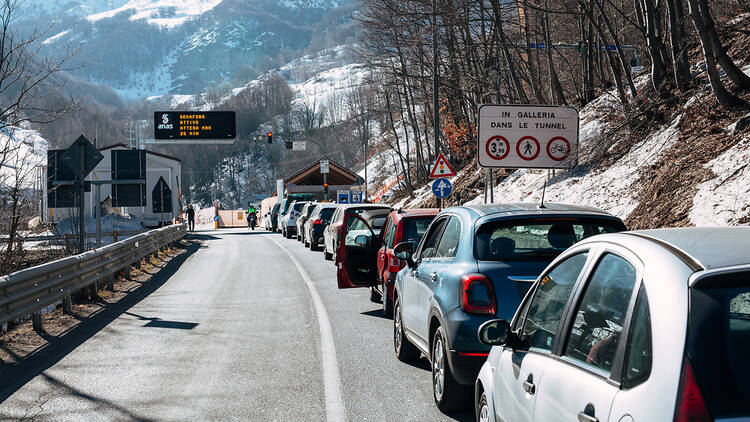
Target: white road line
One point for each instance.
(335, 410)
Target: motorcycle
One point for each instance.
(252, 220)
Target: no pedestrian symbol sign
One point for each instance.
(441, 168)
(527, 136)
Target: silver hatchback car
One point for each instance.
(637, 326)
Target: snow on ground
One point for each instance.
(724, 199)
(55, 37)
(164, 13)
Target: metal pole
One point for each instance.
(436, 113)
(492, 188)
(98, 215)
(325, 191)
(81, 205)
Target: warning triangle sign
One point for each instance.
(441, 168)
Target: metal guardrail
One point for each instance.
(72, 237)
(28, 291)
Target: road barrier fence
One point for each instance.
(28, 291)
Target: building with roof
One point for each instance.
(162, 199)
(309, 179)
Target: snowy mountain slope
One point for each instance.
(163, 13)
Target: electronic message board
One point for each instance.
(195, 125)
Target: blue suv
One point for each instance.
(476, 263)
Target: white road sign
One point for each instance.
(324, 168)
(527, 136)
(299, 145)
(280, 188)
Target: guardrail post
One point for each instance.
(111, 283)
(36, 321)
(94, 290)
(138, 264)
(126, 273)
(67, 305)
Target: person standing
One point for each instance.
(191, 217)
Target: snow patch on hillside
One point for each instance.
(26, 149)
(55, 37)
(724, 199)
(164, 13)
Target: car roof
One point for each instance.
(530, 208)
(709, 247)
(367, 215)
(416, 212)
(377, 206)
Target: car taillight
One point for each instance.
(478, 295)
(317, 222)
(394, 264)
(690, 407)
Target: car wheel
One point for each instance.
(405, 351)
(375, 296)
(313, 245)
(327, 255)
(448, 394)
(483, 410)
(387, 302)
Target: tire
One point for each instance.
(314, 246)
(387, 302)
(448, 394)
(483, 410)
(405, 351)
(375, 297)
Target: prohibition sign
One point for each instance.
(549, 148)
(494, 148)
(527, 153)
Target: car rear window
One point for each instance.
(415, 228)
(534, 239)
(719, 341)
(298, 206)
(377, 223)
(360, 210)
(326, 213)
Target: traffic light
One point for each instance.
(270, 137)
(325, 188)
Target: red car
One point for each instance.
(362, 252)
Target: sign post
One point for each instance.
(527, 136)
(81, 157)
(324, 170)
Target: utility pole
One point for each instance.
(436, 119)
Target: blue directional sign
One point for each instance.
(342, 197)
(442, 188)
(355, 197)
(216, 218)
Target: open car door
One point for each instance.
(356, 257)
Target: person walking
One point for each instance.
(191, 217)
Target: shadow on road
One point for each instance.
(377, 313)
(58, 347)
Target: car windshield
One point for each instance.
(310, 210)
(534, 239)
(415, 228)
(719, 340)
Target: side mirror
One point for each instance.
(405, 251)
(495, 332)
(362, 240)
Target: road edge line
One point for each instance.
(335, 409)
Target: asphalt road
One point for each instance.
(250, 327)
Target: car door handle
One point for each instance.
(529, 387)
(415, 273)
(587, 414)
(433, 276)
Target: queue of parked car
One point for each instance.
(554, 312)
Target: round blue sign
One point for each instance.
(442, 187)
(216, 218)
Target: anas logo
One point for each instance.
(165, 125)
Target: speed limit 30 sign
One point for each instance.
(527, 136)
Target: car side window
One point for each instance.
(449, 241)
(546, 307)
(388, 233)
(431, 239)
(600, 315)
(638, 352)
